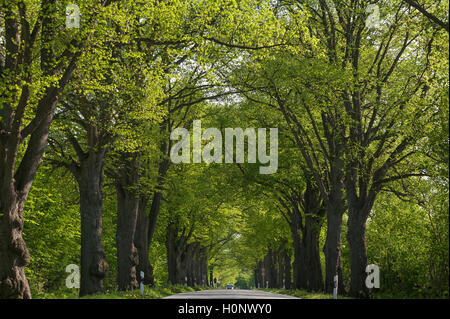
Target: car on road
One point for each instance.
(230, 286)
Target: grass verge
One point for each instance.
(303, 294)
(149, 293)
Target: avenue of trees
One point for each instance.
(357, 89)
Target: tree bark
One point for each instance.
(310, 265)
(271, 267)
(14, 255)
(211, 279)
(177, 247)
(171, 254)
(150, 223)
(335, 208)
(295, 227)
(203, 266)
(93, 264)
(141, 243)
(188, 264)
(153, 216)
(359, 208)
(356, 237)
(287, 269)
(127, 256)
(280, 269)
(127, 213)
(332, 249)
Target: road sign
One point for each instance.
(263, 271)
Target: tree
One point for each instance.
(37, 49)
(428, 14)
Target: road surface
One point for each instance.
(229, 294)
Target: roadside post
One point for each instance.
(141, 285)
(335, 289)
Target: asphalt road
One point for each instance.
(229, 294)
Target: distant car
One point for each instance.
(230, 286)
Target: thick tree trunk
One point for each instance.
(127, 183)
(356, 236)
(358, 210)
(14, 255)
(204, 266)
(261, 278)
(271, 272)
(360, 200)
(16, 179)
(176, 255)
(171, 254)
(258, 280)
(332, 248)
(141, 243)
(188, 264)
(180, 269)
(196, 265)
(310, 266)
(127, 256)
(93, 264)
(287, 270)
(280, 268)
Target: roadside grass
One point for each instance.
(415, 294)
(375, 295)
(303, 294)
(149, 293)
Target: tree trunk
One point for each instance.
(295, 232)
(14, 255)
(171, 254)
(332, 249)
(153, 216)
(180, 269)
(141, 243)
(287, 269)
(256, 274)
(16, 179)
(211, 279)
(154, 210)
(360, 200)
(259, 277)
(189, 264)
(358, 211)
(204, 266)
(280, 269)
(127, 257)
(356, 236)
(127, 183)
(197, 266)
(93, 264)
(310, 265)
(177, 255)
